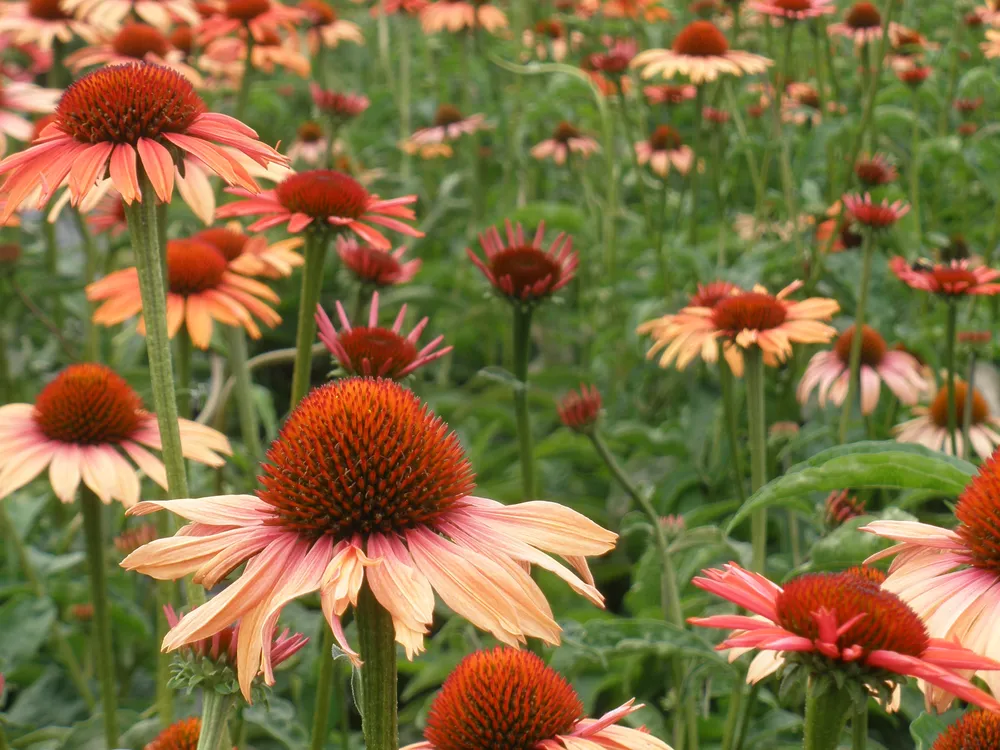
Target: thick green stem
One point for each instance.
(757, 424)
(324, 689)
(731, 727)
(244, 93)
(215, 708)
(727, 382)
(378, 673)
(949, 363)
(826, 716)
(52, 265)
(859, 730)
(91, 339)
(97, 567)
(164, 695)
(312, 283)
(244, 394)
(854, 362)
(970, 393)
(699, 105)
(522, 350)
(146, 247)
(184, 387)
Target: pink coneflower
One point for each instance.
(930, 427)
(874, 215)
(257, 16)
(323, 198)
(325, 28)
(200, 288)
(663, 150)
(956, 278)
(78, 428)
(253, 255)
(579, 410)
(39, 22)
(565, 140)
(511, 699)
(549, 39)
(412, 529)
(17, 97)
(449, 125)
(718, 117)
(968, 106)
(133, 42)
(523, 271)
(375, 266)
(701, 52)
(862, 23)
(375, 351)
(793, 10)
(873, 171)
(669, 94)
(455, 15)
(337, 105)
(976, 729)
(616, 57)
(829, 371)
(952, 577)
(840, 507)
(225, 58)
(843, 621)
(96, 132)
(310, 145)
(111, 14)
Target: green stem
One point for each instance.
(324, 689)
(522, 350)
(746, 715)
(956, 37)
(787, 174)
(818, 63)
(699, 105)
(52, 264)
(215, 708)
(727, 382)
(405, 85)
(826, 716)
(244, 394)
(312, 284)
(949, 359)
(970, 392)
(611, 210)
(854, 363)
(915, 164)
(97, 567)
(184, 388)
(732, 715)
(164, 695)
(142, 227)
(378, 673)
(91, 346)
(757, 424)
(859, 730)
(662, 250)
(244, 93)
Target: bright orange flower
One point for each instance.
(133, 42)
(252, 255)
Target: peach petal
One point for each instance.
(221, 510)
(64, 472)
(159, 166)
(124, 174)
(29, 464)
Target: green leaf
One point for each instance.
(607, 639)
(925, 730)
(25, 624)
(867, 465)
(846, 546)
(502, 376)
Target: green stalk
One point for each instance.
(91, 345)
(826, 716)
(97, 567)
(662, 253)
(522, 348)
(244, 394)
(729, 409)
(215, 708)
(324, 689)
(787, 174)
(184, 351)
(757, 423)
(956, 37)
(859, 730)
(818, 63)
(378, 674)
(699, 105)
(312, 284)
(733, 715)
(164, 695)
(949, 357)
(970, 391)
(52, 265)
(915, 163)
(611, 210)
(243, 96)
(405, 85)
(868, 250)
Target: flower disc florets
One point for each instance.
(753, 311)
(701, 39)
(229, 242)
(387, 353)
(318, 12)
(863, 16)
(939, 406)
(978, 510)
(181, 735)
(501, 699)
(88, 404)
(322, 193)
(565, 131)
(247, 10)
(138, 40)
(977, 730)
(363, 455)
(447, 115)
(193, 266)
(526, 267)
(665, 138)
(123, 103)
(873, 346)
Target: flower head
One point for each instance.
(310, 144)
(17, 98)
(133, 42)
(840, 507)
(669, 94)
(566, 139)
(40, 23)
(80, 425)
(252, 255)
(523, 271)
(455, 15)
(701, 52)
(862, 23)
(874, 215)
(511, 699)
(976, 729)
(375, 266)
(913, 75)
(930, 427)
(580, 410)
(830, 620)
(449, 125)
(954, 279)
(324, 199)
(181, 735)
(121, 120)
(373, 350)
(340, 106)
(874, 171)
(793, 10)
(365, 485)
(325, 28)
(258, 17)
(663, 150)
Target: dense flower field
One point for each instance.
(497, 375)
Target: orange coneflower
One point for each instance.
(40, 22)
(200, 288)
(511, 699)
(181, 735)
(862, 23)
(565, 140)
(414, 530)
(256, 16)
(133, 42)
(17, 97)
(930, 427)
(974, 730)
(376, 266)
(663, 150)
(455, 15)
(111, 14)
(701, 52)
(323, 198)
(324, 28)
(253, 255)
(80, 425)
(449, 125)
(651, 11)
(579, 410)
(521, 270)
(95, 133)
(793, 10)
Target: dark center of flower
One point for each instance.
(961, 278)
(310, 132)
(138, 40)
(323, 193)
(122, 103)
(665, 138)
(229, 242)
(47, 10)
(194, 266)
(318, 12)
(978, 510)
(701, 39)
(887, 623)
(710, 294)
(502, 698)
(10, 253)
(269, 38)
(793, 5)
(181, 735)
(360, 456)
(447, 115)
(247, 10)
(526, 267)
(807, 96)
(565, 131)
(872, 172)
(755, 311)
(182, 37)
(88, 404)
(549, 27)
(939, 406)
(873, 346)
(976, 730)
(372, 265)
(848, 237)
(956, 249)
(863, 16)
(386, 353)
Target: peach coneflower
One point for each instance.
(376, 351)
(181, 735)
(930, 427)
(449, 125)
(952, 577)
(200, 289)
(524, 271)
(566, 139)
(953, 279)
(455, 15)
(793, 10)
(325, 28)
(413, 529)
(701, 52)
(225, 57)
(17, 97)
(375, 266)
(512, 699)
(80, 425)
(323, 198)
(669, 94)
(847, 621)
(549, 39)
(829, 371)
(111, 14)
(253, 255)
(257, 16)
(310, 144)
(96, 130)
(663, 150)
(39, 22)
(862, 23)
(133, 42)
(974, 730)
(579, 410)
